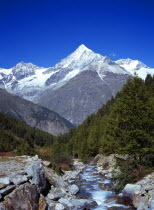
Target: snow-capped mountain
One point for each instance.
(135, 66)
(131, 64)
(25, 79)
(76, 86)
(80, 58)
(70, 66)
(28, 80)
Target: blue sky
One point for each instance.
(45, 31)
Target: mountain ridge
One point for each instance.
(46, 86)
(33, 114)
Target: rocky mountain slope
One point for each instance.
(76, 86)
(32, 114)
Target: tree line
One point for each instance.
(20, 137)
(124, 125)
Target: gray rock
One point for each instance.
(5, 180)
(7, 190)
(2, 186)
(23, 197)
(36, 170)
(35, 158)
(73, 189)
(19, 179)
(151, 194)
(141, 193)
(59, 206)
(70, 175)
(2, 207)
(66, 201)
(152, 203)
(55, 180)
(106, 161)
(51, 204)
(143, 204)
(136, 200)
(22, 172)
(130, 190)
(148, 187)
(46, 163)
(72, 202)
(22, 70)
(55, 196)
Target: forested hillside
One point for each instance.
(33, 114)
(20, 137)
(125, 125)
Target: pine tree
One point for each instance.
(131, 122)
(148, 80)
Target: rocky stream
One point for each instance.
(29, 183)
(97, 187)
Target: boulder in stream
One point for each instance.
(73, 189)
(36, 170)
(23, 197)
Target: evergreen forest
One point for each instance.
(125, 125)
(20, 138)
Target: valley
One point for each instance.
(95, 163)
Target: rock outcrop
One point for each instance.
(23, 197)
(31, 184)
(36, 171)
(106, 164)
(141, 193)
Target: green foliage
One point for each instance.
(130, 124)
(125, 125)
(25, 149)
(20, 137)
(126, 175)
(62, 159)
(149, 80)
(57, 170)
(131, 172)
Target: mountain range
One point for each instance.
(76, 86)
(33, 114)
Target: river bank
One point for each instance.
(140, 195)
(98, 187)
(30, 183)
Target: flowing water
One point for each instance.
(90, 182)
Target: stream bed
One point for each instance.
(98, 188)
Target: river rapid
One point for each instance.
(98, 188)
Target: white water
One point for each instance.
(91, 181)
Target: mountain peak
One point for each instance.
(24, 64)
(131, 64)
(83, 48)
